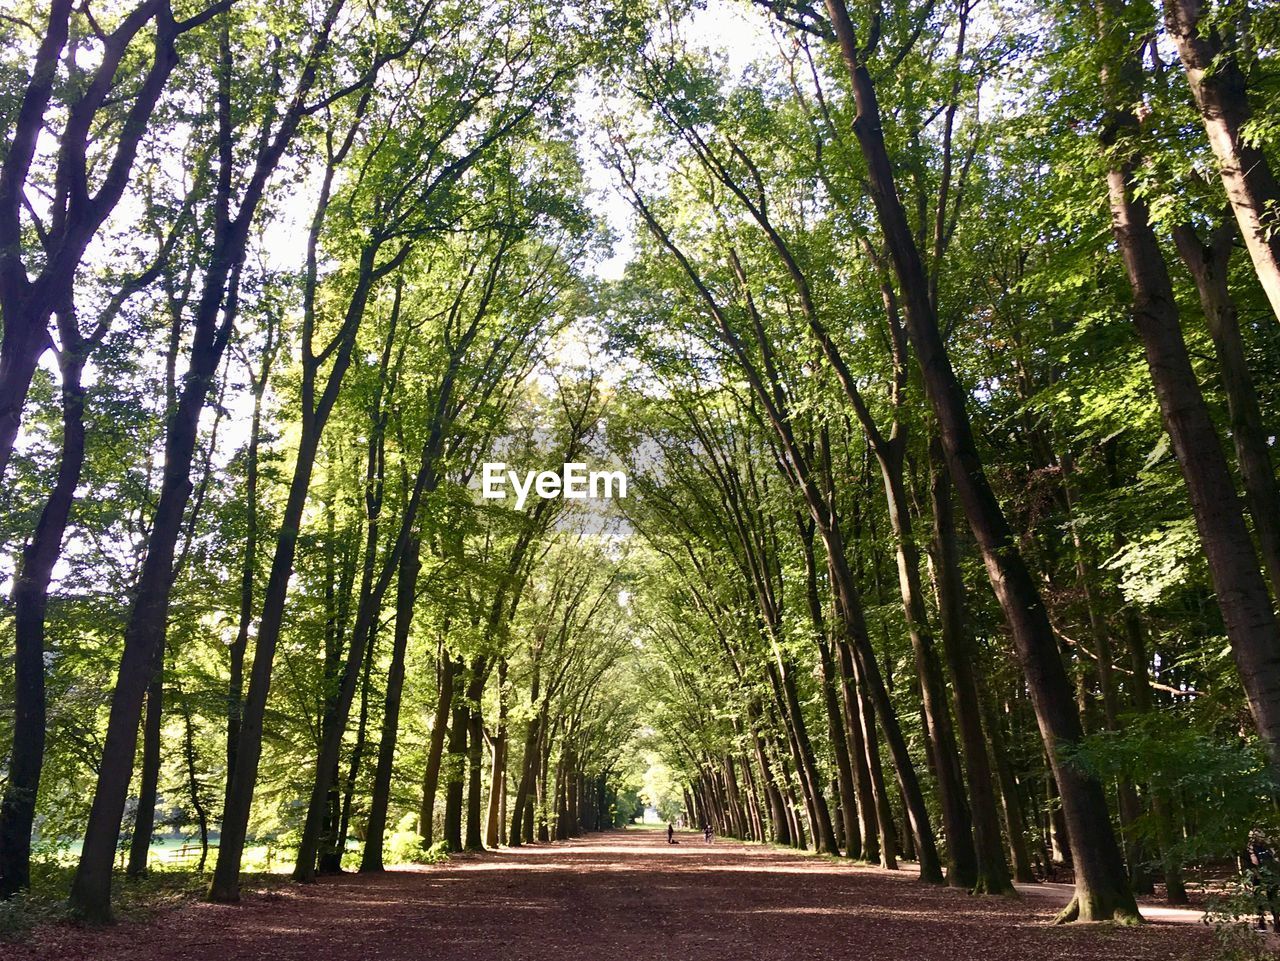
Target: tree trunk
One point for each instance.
(1011, 802)
(435, 750)
(525, 787)
(835, 728)
(820, 818)
(777, 809)
(1161, 804)
(475, 755)
(992, 869)
(455, 772)
(315, 413)
(145, 819)
(494, 827)
(30, 604)
(249, 563)
(331, 859)
(851, 706)
(1102, 890)
(1233, 564)
(406, 590)
(1218, 86)
(962, 865)
(1208, 265)
(144, 633)
(871, 682)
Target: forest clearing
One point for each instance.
(440, 442)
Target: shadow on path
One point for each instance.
(620, 896)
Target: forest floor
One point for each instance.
(621, 896)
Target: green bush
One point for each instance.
(1224, 784)
(405, 846)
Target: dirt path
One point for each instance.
(623, 896)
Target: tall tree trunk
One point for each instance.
(1100, 634)
(1218, 86)
(962, 865)
(1161, 803)
(1208, 265)
(1233, 564)
(1102, 890)
(541, 810)
(249, 563)
(435, 750)
(806, 764)
(777, 809)
(315, 412)
(475, 755)
(521, 810)
(455, 773)
(406, 591)
(30, 605)
(871, 682)
(193, 779)
(851, 706)
(887, 839)
(332, 852)
(992, 869)
(145, 631)
(835, 728)
(494, 827)
(149, 783)
(1010, 799)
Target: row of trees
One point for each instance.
(277, 279)
(248, 554)
(891, 270)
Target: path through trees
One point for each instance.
(929, 351)
(624, 895)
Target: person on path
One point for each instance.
(1262, 874)
(706, 833)
(671, 833)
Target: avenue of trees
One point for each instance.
(944, 365)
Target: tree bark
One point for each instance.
(406, 590)
(1233, 564)
(475, 755)
(495, 829)
(1010, 800)
(249, 564)
(1208, 264)
(868, 813)
(30, 604)
(435, 750)
(835, 728)
(1102, 890)
(992, 869)
(145, 819)
(1218, 86)
(521, 810)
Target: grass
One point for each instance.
(133, 899)
(172, 880)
